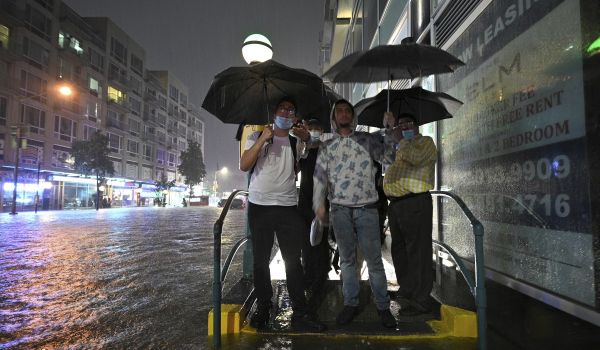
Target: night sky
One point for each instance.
(197, 39)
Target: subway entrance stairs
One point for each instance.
(446, 327)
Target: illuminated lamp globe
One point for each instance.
(257, 48)
(65, 90)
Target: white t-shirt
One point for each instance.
(273, 180)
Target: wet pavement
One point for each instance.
(117, 278)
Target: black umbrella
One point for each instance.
(426, 106)
(243, 95)
(388, 62)
(322, 110)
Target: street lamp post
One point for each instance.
(18, 132)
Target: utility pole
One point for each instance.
(17, 133)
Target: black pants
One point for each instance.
(410, 223)
(316, 260)
(289, 226)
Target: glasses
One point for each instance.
(289, 111)
(407, 123)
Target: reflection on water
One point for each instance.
(116, 278)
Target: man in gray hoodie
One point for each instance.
(345, 172)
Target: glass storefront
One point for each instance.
(79, 195)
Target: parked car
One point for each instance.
(236, 204)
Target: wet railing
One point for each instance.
(476, 281)
(220, 273)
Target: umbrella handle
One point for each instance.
(266, 96)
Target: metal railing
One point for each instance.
(219, 273)
(476, 283)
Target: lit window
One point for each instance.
(115, 95)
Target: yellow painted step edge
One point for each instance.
(231, 319)
(456, 322)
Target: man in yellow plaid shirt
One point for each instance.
(407, 183)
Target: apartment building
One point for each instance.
(145, 114)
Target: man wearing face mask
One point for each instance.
(272, 210)
(407, 183)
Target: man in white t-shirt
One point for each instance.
(272, 210)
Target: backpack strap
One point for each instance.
(293, 143)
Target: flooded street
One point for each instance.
(117, 278)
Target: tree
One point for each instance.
(192, 165)
(161, 186)
(91, 157)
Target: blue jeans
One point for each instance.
(359, 228)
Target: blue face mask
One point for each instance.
(408, 134)
(283, 123)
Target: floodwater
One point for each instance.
(132, 278)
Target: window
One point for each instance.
(114, 142)
(132, 147)
(161, 137)
(60, 154)
(66, 41)
(147, 152)
(65, 129)
(96, 60)
(33, 86)
(38, 55)
(88, 132)
(182, 145)
(161, 119)
(1, 146)
(135, 106)
(39, 24)
(4, 35)
(3, 104)
(95, 87)
(118, 50)
(92, 109)
(162, 102)
(115, 95)
(116, 73)
(136, 64)
(183, 99)
(134, 127)
(173, 93)
(65, 69)
(35, 118)
(171, 159)
(135, 85)
(160, 156)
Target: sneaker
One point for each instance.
(260, 318)
(387, 319)
(347, 314)
(306, 323)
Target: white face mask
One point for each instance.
(315, 135)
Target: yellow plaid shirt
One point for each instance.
(413, 169)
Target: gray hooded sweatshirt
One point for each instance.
(345, 171)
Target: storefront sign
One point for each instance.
(516, 150)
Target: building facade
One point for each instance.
(145, 114)
(522, 150)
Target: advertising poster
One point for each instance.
(515, 151)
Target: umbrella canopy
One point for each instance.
(247, 95)
(322, 110)
(426, 106)
(389, 62)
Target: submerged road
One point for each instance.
(117, 278)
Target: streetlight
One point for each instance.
(223, 171)
(257, 48)
(19, 131)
